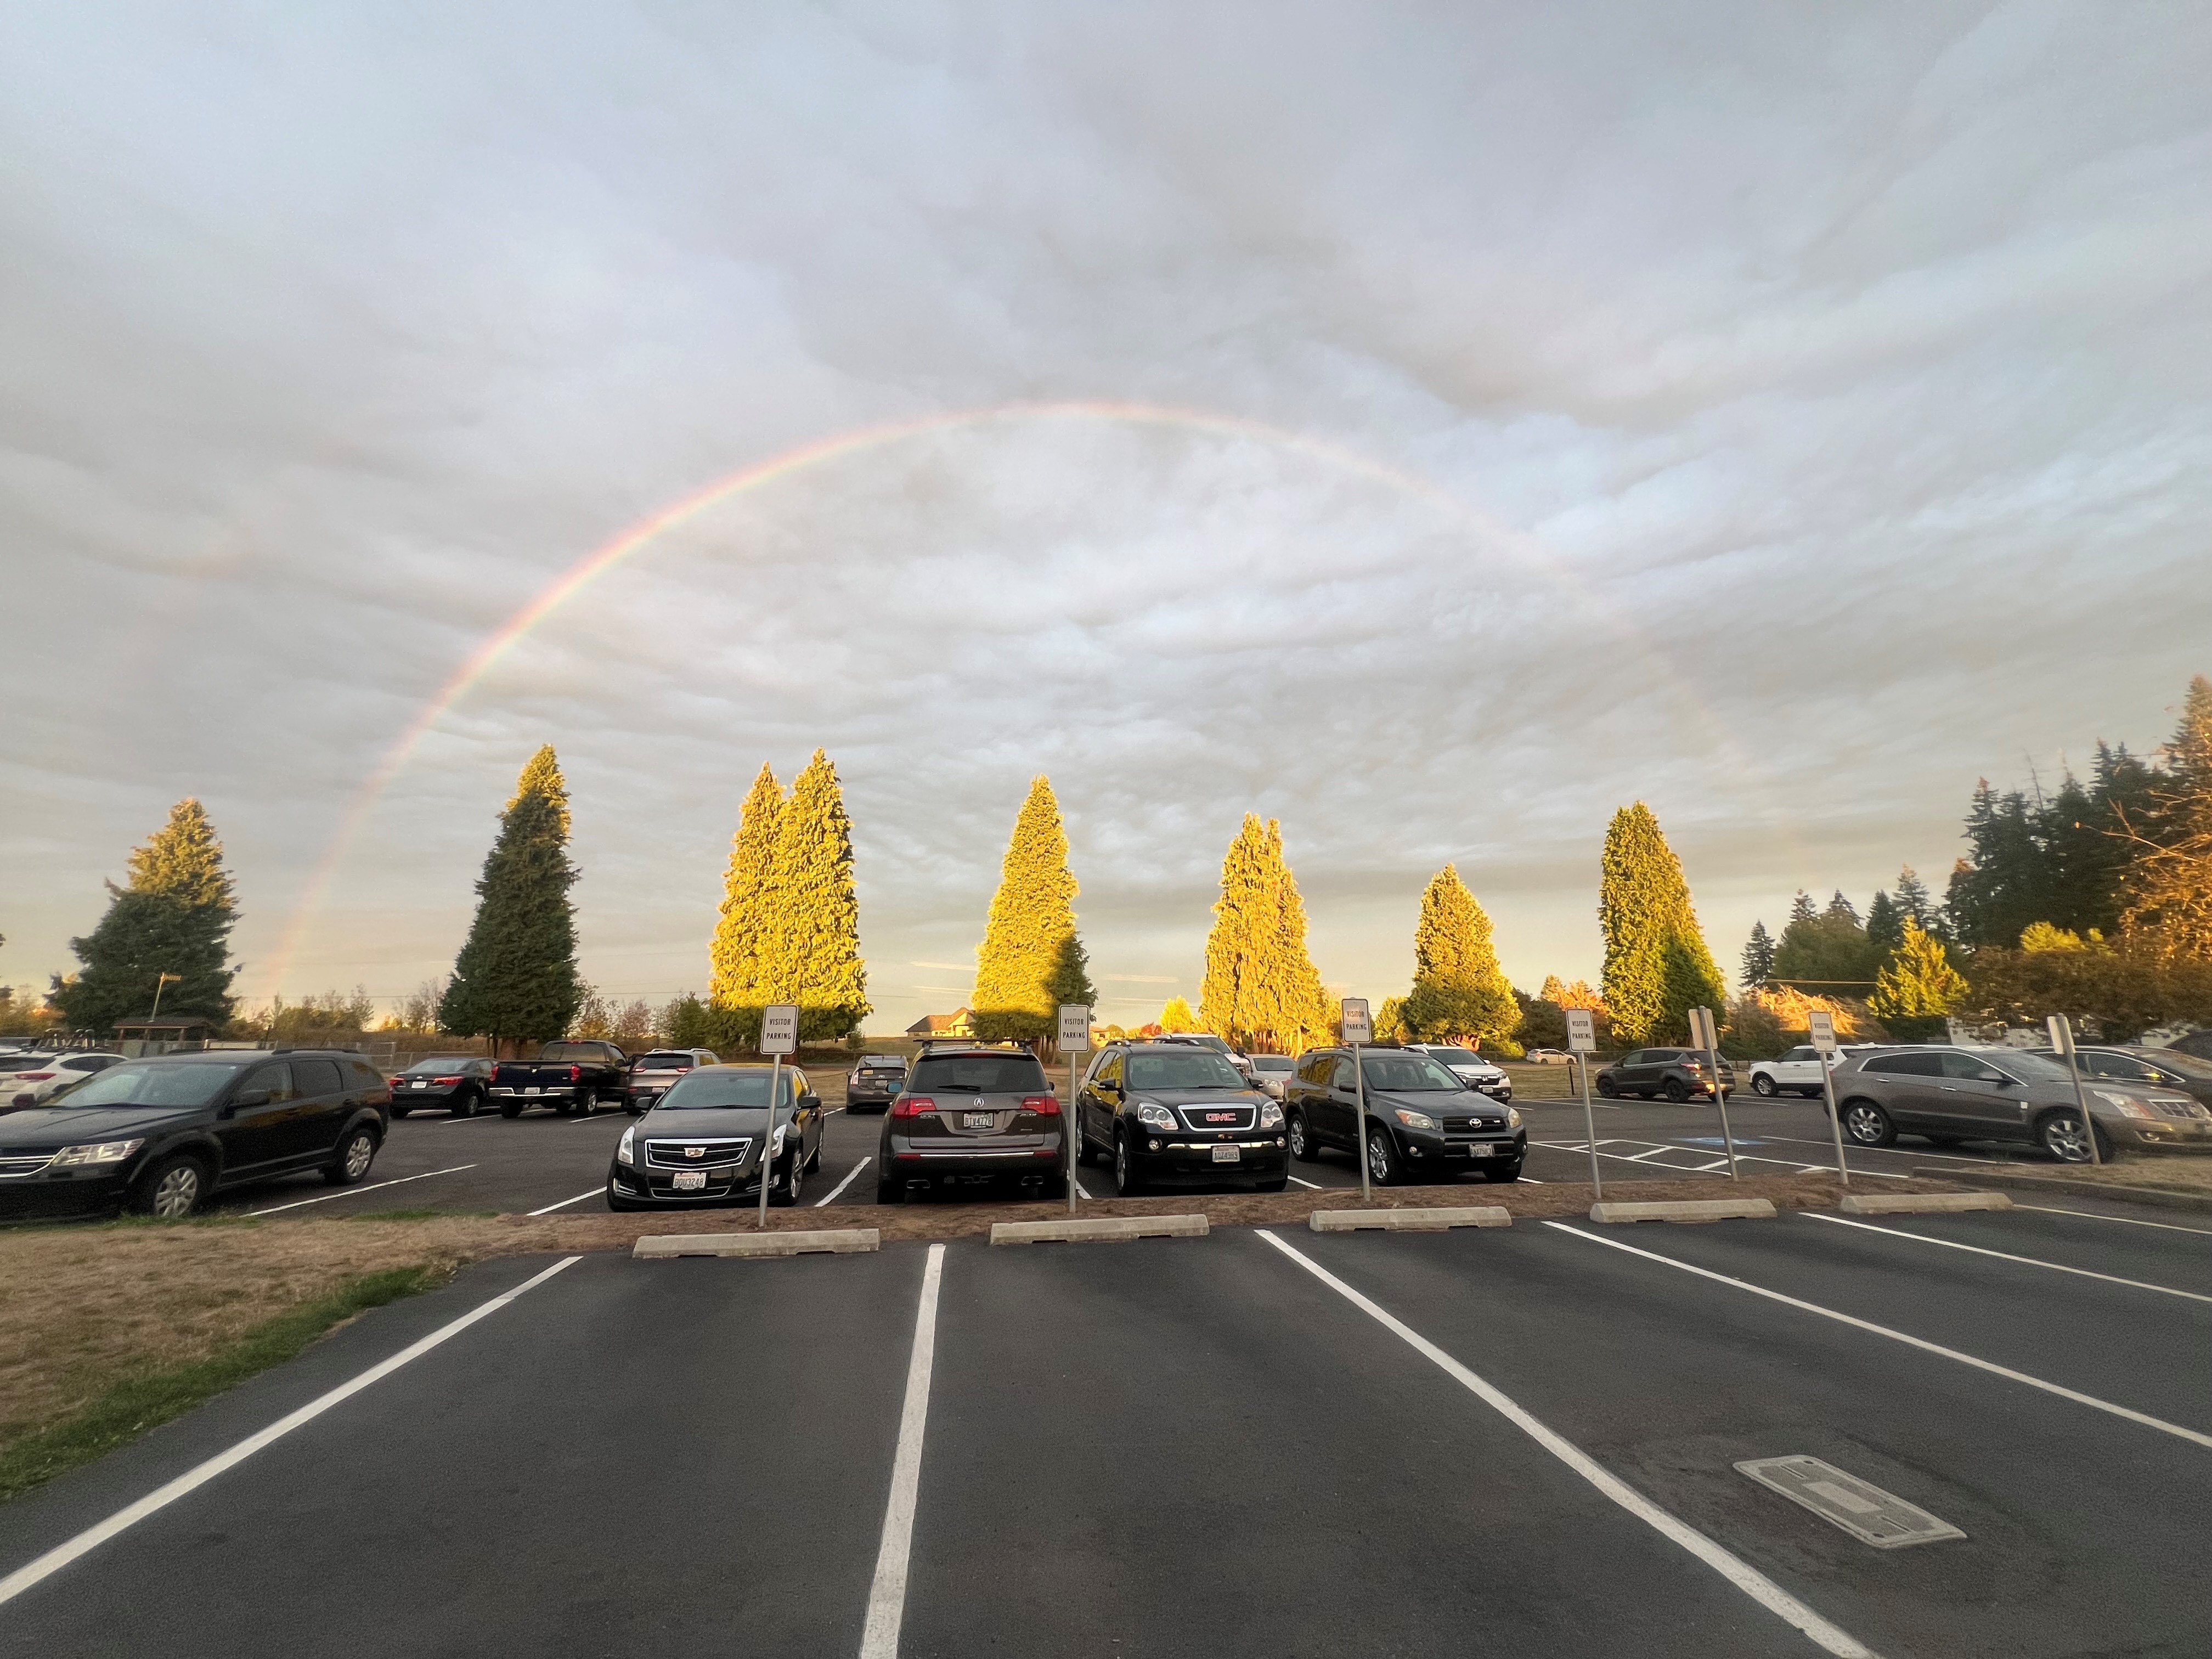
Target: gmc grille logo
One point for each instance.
(1221, 1117)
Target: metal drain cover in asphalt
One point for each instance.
(1866, 1512)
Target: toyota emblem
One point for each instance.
(695, 1152)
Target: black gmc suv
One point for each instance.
(161, 1134)
(1177, 1113)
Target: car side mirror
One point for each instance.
(251, 1098)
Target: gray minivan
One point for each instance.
(1952, 1095)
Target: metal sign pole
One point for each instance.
(779, 1036)
(1704, 1032)
(1823, 1034)
(1358, 1028)
(2061, 1039)
(1581, 1040)
(1074, 1040)
(768, 1135)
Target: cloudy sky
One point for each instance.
(1433, 426)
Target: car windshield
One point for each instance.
(193, 1084)
(436, 1063)
(1408, 1074)
(705, 1091)
(1457, 1056)
(1193, 1069)
(1282, 1063)
(978, 1074)
(2034, 1068)
(667, 1063)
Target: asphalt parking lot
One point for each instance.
(1512, 1442)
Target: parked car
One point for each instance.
(1953, 1094)
(708, 1140)
(2162, 1067)
(43, 1076)
(1469, 1067)
(1674, 1074)
(1796, 1072)
(1207, 1040)
(1272, 1074)
(1423, 1123)
(1548, 1057)
(976, 1113)
(651, 1075)
(570, 1076)
(1179, 1114)
(161, 1134)
(455, 1082)
(872, 1085)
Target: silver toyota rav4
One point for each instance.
(1953, 1094)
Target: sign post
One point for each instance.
(1582, 1044)
(1704, 1035)
(779, 1038)
(1823, 1033)
(1358, 1029)
(2061, 1044)
(1074, 1042)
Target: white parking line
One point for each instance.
(474, 1117)
(887, 1596)
(1740, 1573)
(2002, 1256)
(161, 1496)
(2128, 1220)
(351, 1192)
(1921, 1343)
(566, 1202)
(846, 1182)
(1311, 1186)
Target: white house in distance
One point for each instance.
(955, 1025)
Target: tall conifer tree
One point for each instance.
(811, 944)
(1758, 957)
(1658, 967)
(2169, 885)
(175, 918)
(1030, 960)
(748, 892)
(1260, 985)
(515, 978)
(1917, 987)
(1458, 990)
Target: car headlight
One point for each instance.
(1413, 1119)
(1512, 1117)
(2128, 1104)
(1271, 1116)
(775, 1142)
(626, 1148)
(1154, 1116)
(104, 1152)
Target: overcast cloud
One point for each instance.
(1800, 411)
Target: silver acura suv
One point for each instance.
(1953, 1094)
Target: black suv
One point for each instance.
(1674, 1074)
(1423, 1123)
(974, 1113)
(1180, 1114)
(161, 1134)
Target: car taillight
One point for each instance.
(913, 1106)
(447, 1081)
(395, 1081)
(1042, 1105)
(575, 1075)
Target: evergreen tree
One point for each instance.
(1030, 953)
(2169, 884)
(175, 918)
(1177, 1015)
(1914, 900)
(1917, 987)
(1260, 985)
(1885, 923)
(1840, 910)
(810, 951)
(1658, 967)
(1458, 990)
(1758, 957)
(1801, 909)
(515, 978)
(1827, 951)
(748, 896)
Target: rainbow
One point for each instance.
(1524, 548)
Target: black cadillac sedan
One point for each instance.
(709, 1141)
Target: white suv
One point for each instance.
(47, 1075)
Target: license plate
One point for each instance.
(1480, 1151)
(978, 1120)
(690, 1181)
(1228, 1154)
(418, 1085)
(533, 1090)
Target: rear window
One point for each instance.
(1272, 1063)
(1906, 1065)
(986, 1074)
(439, 1064)
(661, 1062)
(882, 1063)
(574, 1051)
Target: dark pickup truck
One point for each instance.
(574, 1079)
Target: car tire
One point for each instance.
(401, 1111)
(587, 1103)
(1384, 1168)
(2059, 1133)
(1501, 1174)
(510, 1109)
(1084, 1156)
(1609, 1088)
(465, 1103)
(1676, 1091)
(356, 1154)
(1763, 1085)
(1868, 1125)
(1128, 1183)
(794, 1182)
(1304, 1146)
(173, 1188)
(890, 1191)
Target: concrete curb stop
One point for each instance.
(1686, 1209)
(2159, 1197)
(841, 1241)
(1106, 1228)
(1408, 1220)
(1920, 1203)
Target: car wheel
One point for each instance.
(1762, 1085)
(795, 1180)
(1303, 1147)
(401, 1111)
(587, 1103)
(1676, 1091)
(1083, 1153)
(1128, 1183)
(1609, 1088)
(356, 1153)
(1383, 1169)
(510, 1109)
(1501, 1173)
(890, 1191)
(1868, 1124)
(173, 1188)
(2059, 1133)
(465, 1103)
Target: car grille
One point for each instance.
(671, 1154)
(2186, 1111)
(1219, 1117)
(1469, 1125)
(25, 1163)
